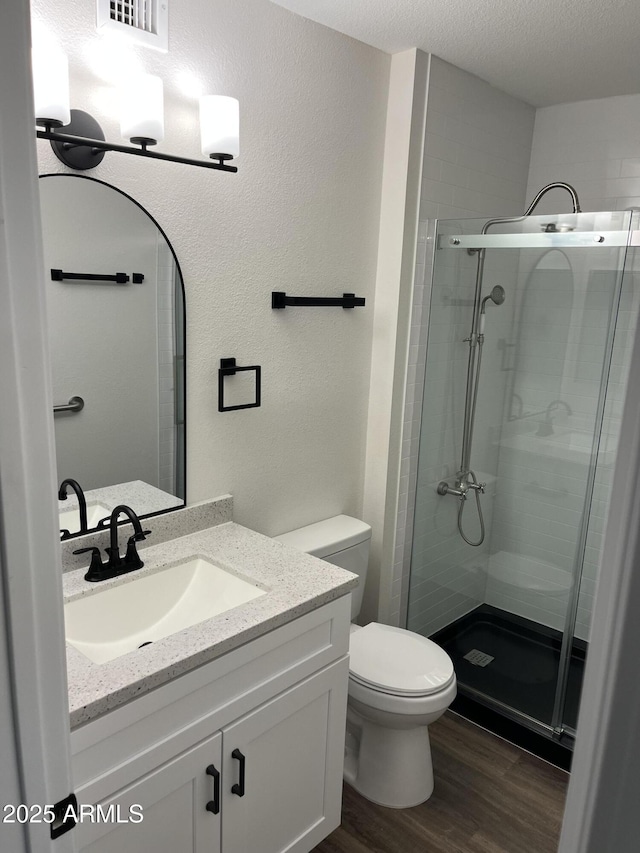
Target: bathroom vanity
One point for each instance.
(228, 734)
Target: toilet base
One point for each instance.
(390, 767)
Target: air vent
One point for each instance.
(141, 21)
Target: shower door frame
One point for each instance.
(624, 239)
(557, 720)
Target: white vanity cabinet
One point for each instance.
(293, 749)
(173, 800)
(268, 718)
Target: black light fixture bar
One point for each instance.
(101, 145)
(279, 299)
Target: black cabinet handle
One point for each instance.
(238, 787)
(214, 804)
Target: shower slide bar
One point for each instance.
(544, 240)
(466, 479)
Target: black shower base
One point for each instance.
(522, 676)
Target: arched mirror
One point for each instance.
(115, 302)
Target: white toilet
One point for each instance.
(399, 682)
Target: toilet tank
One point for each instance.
(341, 540)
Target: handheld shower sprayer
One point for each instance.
(497, 296)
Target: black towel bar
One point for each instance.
(279, 299)
(119, 277)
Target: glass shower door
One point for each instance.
(618, 338)
(507, 607)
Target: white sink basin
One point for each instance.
(70, 518)
(111, 622)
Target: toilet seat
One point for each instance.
(407, 707)
(374, 688)
(397, 662)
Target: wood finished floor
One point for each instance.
(489, 797)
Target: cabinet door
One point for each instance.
(291, 751)
(174, 801)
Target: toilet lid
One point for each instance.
(398, 661)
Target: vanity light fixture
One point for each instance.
(51, 87)
(142, 111)
(78, 140)
(219, 126)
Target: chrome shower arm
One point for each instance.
(556, 185)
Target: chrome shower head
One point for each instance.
(498, 294)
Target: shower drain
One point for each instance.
(478, 658)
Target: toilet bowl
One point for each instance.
(399, 682)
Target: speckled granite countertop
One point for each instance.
(295, 584)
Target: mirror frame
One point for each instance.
(183, 371)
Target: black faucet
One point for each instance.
(116, 565)
(62, 496)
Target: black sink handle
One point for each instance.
(96, 561)
(138, 537)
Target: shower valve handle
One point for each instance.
(445, 489)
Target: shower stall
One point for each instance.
(530, 330)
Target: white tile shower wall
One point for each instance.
(594, 146)
(477, 152)
(477, 148)
(166, 349)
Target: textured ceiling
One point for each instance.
(542, 51)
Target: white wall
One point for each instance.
(301, 216)
(400, 201)
(477, 151)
